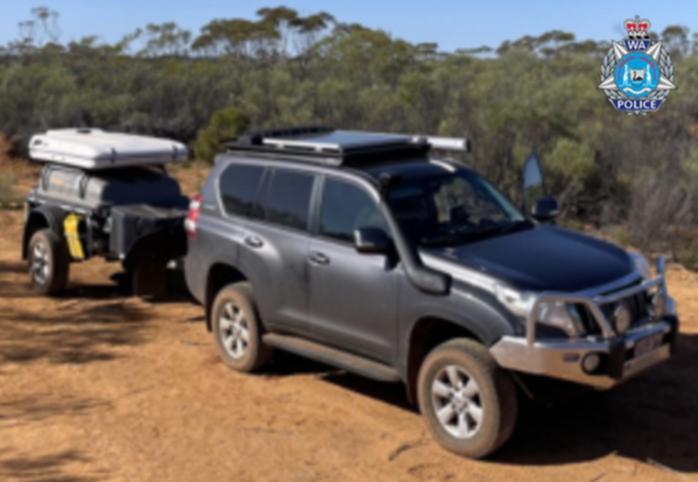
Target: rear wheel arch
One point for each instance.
(219, 276)
(426, 334)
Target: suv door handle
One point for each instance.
(319, 258)
(253, 241)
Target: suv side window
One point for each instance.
(238, 188)
(346, 207)
(287, 201)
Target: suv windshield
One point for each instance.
(451, 208)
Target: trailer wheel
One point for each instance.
(49, 262)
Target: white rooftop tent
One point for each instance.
(94, 149)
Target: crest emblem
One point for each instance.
(637, 74)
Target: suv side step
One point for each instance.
(332, 356)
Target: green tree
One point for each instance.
(225, 124)
(280, 68)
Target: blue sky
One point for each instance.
(452, 24)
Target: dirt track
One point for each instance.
(99, 386)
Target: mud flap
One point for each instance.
(149, 278)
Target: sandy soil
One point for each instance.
(96, 385)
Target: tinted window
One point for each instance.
(238, 186)
(452, 209)
(346, 207)
(288, 199)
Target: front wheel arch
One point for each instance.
(426, 334)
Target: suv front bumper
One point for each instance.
(616, 357)
(565, 359)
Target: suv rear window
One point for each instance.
(238, 186)
(287, 200)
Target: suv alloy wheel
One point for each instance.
(237, 330)
(469, 403)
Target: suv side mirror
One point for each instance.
(542, 208)
(532, 174)
(545, 209)
(371, 240)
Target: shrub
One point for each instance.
(621, 235)
(687, 255)
(225, 124)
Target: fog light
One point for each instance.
(622, 318)
(591, 362)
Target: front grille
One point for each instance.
(590, 325)
(638, 304)
(640, 307)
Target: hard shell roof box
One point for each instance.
(94, 149)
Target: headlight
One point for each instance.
(558, 315)
(562, 316)
(641, 264)
(519, 303)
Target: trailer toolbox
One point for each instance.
(144, 223)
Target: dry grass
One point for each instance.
(7, 192)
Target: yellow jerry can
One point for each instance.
(71, 225)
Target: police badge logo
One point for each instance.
(637, 75)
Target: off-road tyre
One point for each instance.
(497, 398)
(235, 300)
(48, 261)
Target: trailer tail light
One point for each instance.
(193, 216)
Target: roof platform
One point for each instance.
(342, 147)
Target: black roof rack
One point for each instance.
(340, 147)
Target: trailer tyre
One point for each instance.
(49, 262)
